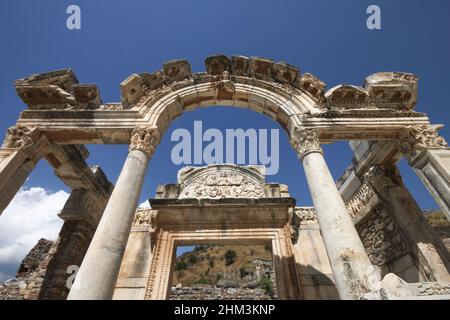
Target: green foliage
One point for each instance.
(266, 284)
(202, 280)
(230, 257)
(192, 259)
(181, 265)
(200, 248)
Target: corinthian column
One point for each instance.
(429, 155)
(348, 258)
(98, 273)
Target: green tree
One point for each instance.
(266, 284)
(230, 257)
(192, 259)
(181, 265)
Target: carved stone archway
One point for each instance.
(63, 115)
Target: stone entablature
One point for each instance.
(277, 90)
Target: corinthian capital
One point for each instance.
(19, 137)
(418, 138)
(144, 139)
(305, 141)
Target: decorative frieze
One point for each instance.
(145, 217)
(305, 141)
(347, 97)
(359, 199)
(306, 215)
(223, 184)
(144, 139)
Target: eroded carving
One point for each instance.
(392, 90)
(225, 184)
(347, 97)
(359, 199)
(57, 90)
(144, 217)
(225, 181)
(418, 138)
(144, 139)
(306, 215)
(19, 137)
(218, 64)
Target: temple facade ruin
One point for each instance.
(364, 238)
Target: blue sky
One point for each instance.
(326, 38)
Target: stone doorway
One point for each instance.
(224, 272)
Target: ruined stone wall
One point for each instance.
(13, 289)
(43, 272)
(205, 292)
(386, 245)
(69, 249)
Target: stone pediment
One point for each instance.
(221, 181)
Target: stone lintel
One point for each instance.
(227, 202)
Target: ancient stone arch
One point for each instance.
(378, 117)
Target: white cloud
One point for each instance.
(144, 204)
(31, 215)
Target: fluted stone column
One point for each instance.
(99, 270)
(429, 155)
(348, 258)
